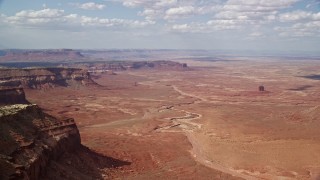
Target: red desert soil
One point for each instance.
(208, 123)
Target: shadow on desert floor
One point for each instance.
(84, 164)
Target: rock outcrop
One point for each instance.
(30, 139)
(114, 66)
(168, 65)
(39, 78)
(12, 96)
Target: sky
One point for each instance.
(259, 25)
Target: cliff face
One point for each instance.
(30, 139)
(38, 78)
(127, 65)
(168, 65)
(12, 96)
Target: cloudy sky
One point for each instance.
(261, 25)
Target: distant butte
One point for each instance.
(41, 78)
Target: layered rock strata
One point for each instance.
(127, 65)
(38, 78)
(12, 96)
(30, 139)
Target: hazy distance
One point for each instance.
(262, 26)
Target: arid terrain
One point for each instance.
(160, 90)
(209, 122)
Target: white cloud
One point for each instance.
(256, 34)
(104, 22)
(59, 19)
(208, 27)
(202, 23)
(306, 23)
(225, 24)
(148, 3)
(179, 12)
(45, 13)
(226, 15)
(171, 9)
(150, 14)
(89, 6)
(181, 27)
(300, 29)
(137, 3)
(314, 3)
(263, 3)
(33, 17)
(210, 16)
(294, 16)
(165, 3)
(254, 10)
(188, 28)
(271, 17)
(261, 11)
(219, 15)
(298, 16)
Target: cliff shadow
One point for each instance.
(301, 88)
(314, 76)
(84, 163)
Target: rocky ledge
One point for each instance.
(40, 78)
(30, 139)
(97, 67)
(12, 96)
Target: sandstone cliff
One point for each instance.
(134, 65)
(12, 96)
(167, 65)
(30, 139)
(38, 78)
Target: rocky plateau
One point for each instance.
(41, 78)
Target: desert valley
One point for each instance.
(158, 114)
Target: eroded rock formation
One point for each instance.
(12, 96)
(127, 65)
(38, 78)
(30, 139)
